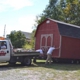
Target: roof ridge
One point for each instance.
(64, 23)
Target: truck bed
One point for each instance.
(32, 53)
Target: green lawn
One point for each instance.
(40, 71)
(56, 71)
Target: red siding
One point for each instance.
(45, 29)
(47, 35)
(70, 48)
(37, 41)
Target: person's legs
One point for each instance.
(47, 59)
(50, 59)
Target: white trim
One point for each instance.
(59, 54)
(46, 36)
(48, 21)
(45, 46)
(34, 42)
(60, 46)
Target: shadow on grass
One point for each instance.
(6, 66)
(58, 66)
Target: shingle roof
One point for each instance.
(67, 29)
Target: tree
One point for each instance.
(17, 38)
(33, 39)
(52, 10)
(63, 10)
(72, 11)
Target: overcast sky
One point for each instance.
(19, 14)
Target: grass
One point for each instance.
(40, 71)
(57, 71)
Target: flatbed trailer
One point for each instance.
(24, 57)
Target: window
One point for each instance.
(3, 45)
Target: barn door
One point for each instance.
(46, 41)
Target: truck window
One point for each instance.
(11, 47)
(3, 45)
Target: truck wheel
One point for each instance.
(26, 61)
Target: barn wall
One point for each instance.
(70, 48)
(45, 29)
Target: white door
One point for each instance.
(46, 41)
(4, 52)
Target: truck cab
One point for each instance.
(5, 50)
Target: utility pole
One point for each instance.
(4, 30)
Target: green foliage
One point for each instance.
(33, 39)
(62, 10)
(72, 11)
(51, 11)
(27, 46)
(17, 38)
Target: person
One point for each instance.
(40, 50)
(49, 54)
(3, 45)
(41, 54)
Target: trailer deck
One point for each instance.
(32, 53)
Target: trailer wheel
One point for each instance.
(77, 62)
(26, 61)
(72, 61)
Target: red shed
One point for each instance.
(62, 35)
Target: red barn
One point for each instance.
(62, 35)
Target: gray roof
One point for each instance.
(67, 29)
(27, 34)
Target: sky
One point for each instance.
(19, 14)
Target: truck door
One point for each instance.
(4, 51)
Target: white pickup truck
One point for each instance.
(8, 54)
